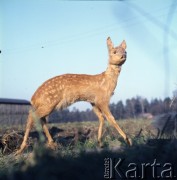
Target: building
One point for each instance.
(13, 111)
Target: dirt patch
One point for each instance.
(10, 141)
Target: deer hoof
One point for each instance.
(22, 148)
(128, 141)
(100, 144)
(52, 145)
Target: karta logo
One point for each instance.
(116, 168)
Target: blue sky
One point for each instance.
(44, 38)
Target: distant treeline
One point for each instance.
(132, 108)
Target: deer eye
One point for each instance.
(114, 52)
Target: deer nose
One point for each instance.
(124, 55)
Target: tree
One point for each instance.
(120, 109)
(129, 109)
(166, 105)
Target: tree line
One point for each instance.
(131, 108)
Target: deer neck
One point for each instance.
(112, 72)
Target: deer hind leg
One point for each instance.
(25, 138)
(105, 110)
(101, 121)
(37, 114)
(51, 143)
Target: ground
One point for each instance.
(79, 157)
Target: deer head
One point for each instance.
(117, 55)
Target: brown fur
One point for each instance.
(61, 91)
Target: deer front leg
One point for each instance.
(101, 121)
(25, 138)
(105, 110)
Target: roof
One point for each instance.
(14, 101)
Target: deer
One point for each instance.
(61, 91)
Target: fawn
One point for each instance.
(61, 91)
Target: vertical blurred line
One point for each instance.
(166, 48)
(1, 75)
(1, 62)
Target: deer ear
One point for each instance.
(109, 43)
(123, 44)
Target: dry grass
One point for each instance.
(78, 156)
(80, 133)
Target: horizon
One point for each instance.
(72, 107)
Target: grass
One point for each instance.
(82, 159)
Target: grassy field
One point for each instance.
(79, 157)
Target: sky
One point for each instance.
(40, 39)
